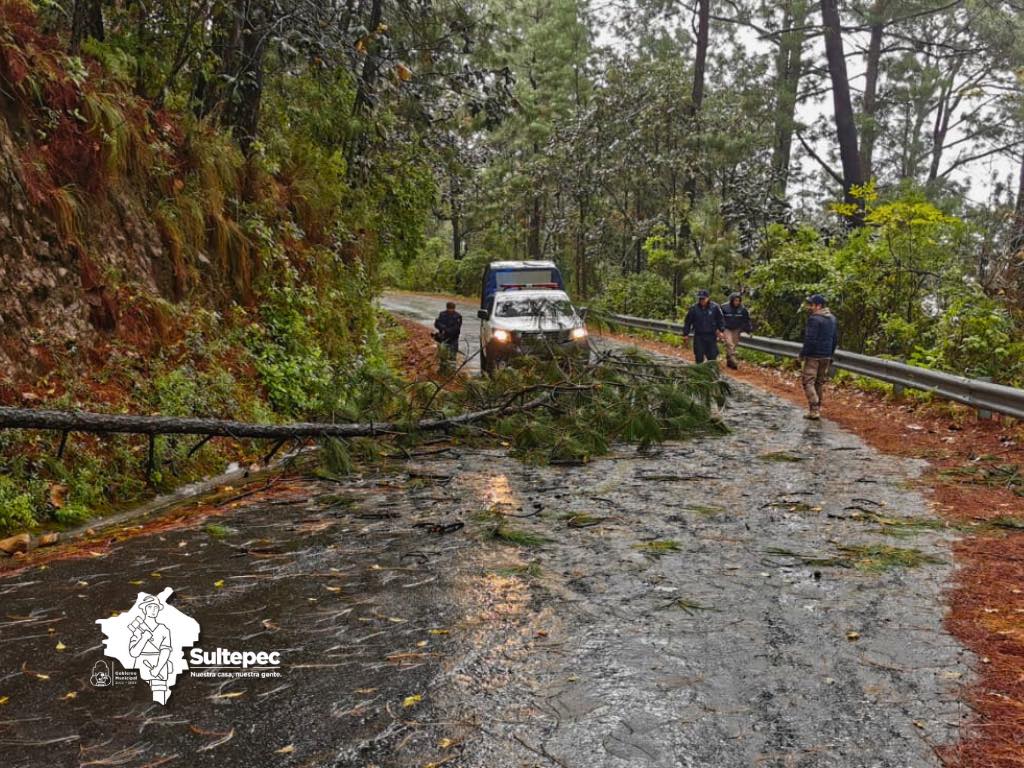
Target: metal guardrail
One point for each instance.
(983, 395)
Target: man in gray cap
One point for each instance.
(737, 321)
(705, 322)
(820, 339)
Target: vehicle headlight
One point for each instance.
(502, 336)
(578, 333)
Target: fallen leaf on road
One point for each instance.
(60, 646)
(853, 635)
(229, 695)
(412, 701)
(58, 495)
(71, 695)
(218, 583)
(285, 750)
(4, 699)
(224, 739)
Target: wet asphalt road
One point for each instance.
(425, 309)
(593, 648)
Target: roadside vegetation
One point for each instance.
(222, 213)
(676, 160)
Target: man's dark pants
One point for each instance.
(705, 346)
(448, 353)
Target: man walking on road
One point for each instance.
(705, 322)
(820, 339)
(449, 327)
(737, 321)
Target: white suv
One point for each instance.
(531, 322)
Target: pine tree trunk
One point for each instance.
(581, 249)
(846, 127)
(86, 21)
(533, 244)
(870, 103)
(701, 56)
(245, 114)
(697, 100)
(1017, 237)
(788, 71)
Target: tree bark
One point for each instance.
(947, 105)
(788, 71)
(86, 21)
(244, 113)
(696, 102)
(701, 56)
(533, 242)
(581, 247)
(102, 423)
(1017, 236)
(870, 103)
(846, 127)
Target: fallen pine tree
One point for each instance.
(559, 410)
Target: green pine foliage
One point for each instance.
(630, 398)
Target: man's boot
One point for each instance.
(731, 362)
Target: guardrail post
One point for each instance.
(984, 414)
(898, 390)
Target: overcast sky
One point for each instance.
(978, 177)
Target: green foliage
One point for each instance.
(975, 335)
(794, 266)
(643, 295)
(17, 509)
(508, 535)
(72, 514)
(658, 547)
(631, 399)
(898, 287)
(432, 269)
(291, 364)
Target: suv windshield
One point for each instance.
(534, 308)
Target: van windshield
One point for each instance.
(534, 308)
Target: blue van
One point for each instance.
(524, 275)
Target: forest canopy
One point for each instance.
(871, 150)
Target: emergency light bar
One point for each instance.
(521, 286)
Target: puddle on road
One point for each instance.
(729, 648)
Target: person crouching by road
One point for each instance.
(704, 320)
(820, 339)
(737, 321)
(449, 327)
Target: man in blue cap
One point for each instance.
(704, 320)
(820, 339)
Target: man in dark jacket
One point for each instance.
(820, 339)
(449, 327)
(737, 321)
(704, 321)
